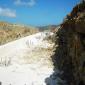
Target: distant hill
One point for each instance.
(9, 32)
(48, 27)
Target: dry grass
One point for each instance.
(40, 55)
(10, 32)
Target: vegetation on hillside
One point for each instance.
(9, 32)
(69, 56)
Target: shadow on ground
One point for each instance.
(55, 77)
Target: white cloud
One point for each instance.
(7, 12)
(30, 3)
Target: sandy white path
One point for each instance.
(19, 73)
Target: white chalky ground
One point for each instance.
(14, 71)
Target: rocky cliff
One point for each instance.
(69, 56)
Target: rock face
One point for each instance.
(69, 56)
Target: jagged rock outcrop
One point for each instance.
(69, 56)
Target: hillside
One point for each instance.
(69, 56)
(10, 32)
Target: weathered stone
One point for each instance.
(69, 56)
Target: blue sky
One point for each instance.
(35, 12)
